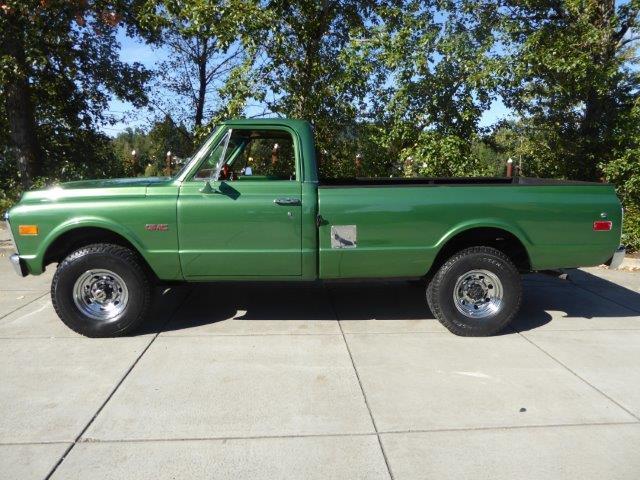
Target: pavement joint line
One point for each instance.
(68, 337)
(509, 427)
(560, 330)
(364, 395)
(25, 305)
(609, 299)
(115, 389)
(398, 333)
(43, 337)
(163, 334)
(206, 335)
(325, 435)
(505, 332)
(300, 334)
(44, 442)
(579, 377)
(332, 435)
(220, 439)
(39, 290)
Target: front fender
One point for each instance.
(36, 261)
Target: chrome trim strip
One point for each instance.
(206, 147)
(220, 164)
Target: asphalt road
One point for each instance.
(343, 381)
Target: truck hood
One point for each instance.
(113, 183)
(94, 189)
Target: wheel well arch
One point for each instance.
(498, 238)
(79, 237)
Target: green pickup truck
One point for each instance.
(250, 206)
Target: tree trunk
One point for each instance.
(598, 106)
(22, 124)
(202, 84)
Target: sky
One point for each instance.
(126, 115)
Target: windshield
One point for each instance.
(206, 145)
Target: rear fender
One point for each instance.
(485, 223)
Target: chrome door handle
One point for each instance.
(287, 201)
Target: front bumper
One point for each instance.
(617, 258)
(19, 265)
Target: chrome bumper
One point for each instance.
(617, 258)
(18, 265)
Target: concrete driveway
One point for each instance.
(341, 381)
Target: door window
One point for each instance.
(253, 155)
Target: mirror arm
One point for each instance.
(207, 188)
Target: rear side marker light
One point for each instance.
(28, 229)
(602, 225)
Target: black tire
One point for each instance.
(101, 256)
(440, 292)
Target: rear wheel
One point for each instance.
(477, 292)
(101, 290)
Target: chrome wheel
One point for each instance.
(100, 294)
(478, 294)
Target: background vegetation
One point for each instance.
(402, 83)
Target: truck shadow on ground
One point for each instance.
(583, 298)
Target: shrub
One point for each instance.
(624, 172)
(631, 229)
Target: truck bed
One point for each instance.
(397, 226)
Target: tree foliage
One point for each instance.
(145, 152)
(59, 66)
(441, 75)
(572, 80)
(392, 87)
(306, 67)
(207, 43)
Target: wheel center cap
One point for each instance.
(476, 292)
(101, 292)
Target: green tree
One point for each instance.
(166, 136)
(571, 80)
(125, 144)
(435, 72)
(624, 171)
(387, 80)
(59, 67)
(151, 147)
(309, 73)
(208, 43)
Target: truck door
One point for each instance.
(248, 223)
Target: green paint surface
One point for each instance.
(236, 231)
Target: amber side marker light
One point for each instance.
(28, 229)
(602, 225)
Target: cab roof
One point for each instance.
(288, 122)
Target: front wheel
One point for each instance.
(476, 293)
(101, 290)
